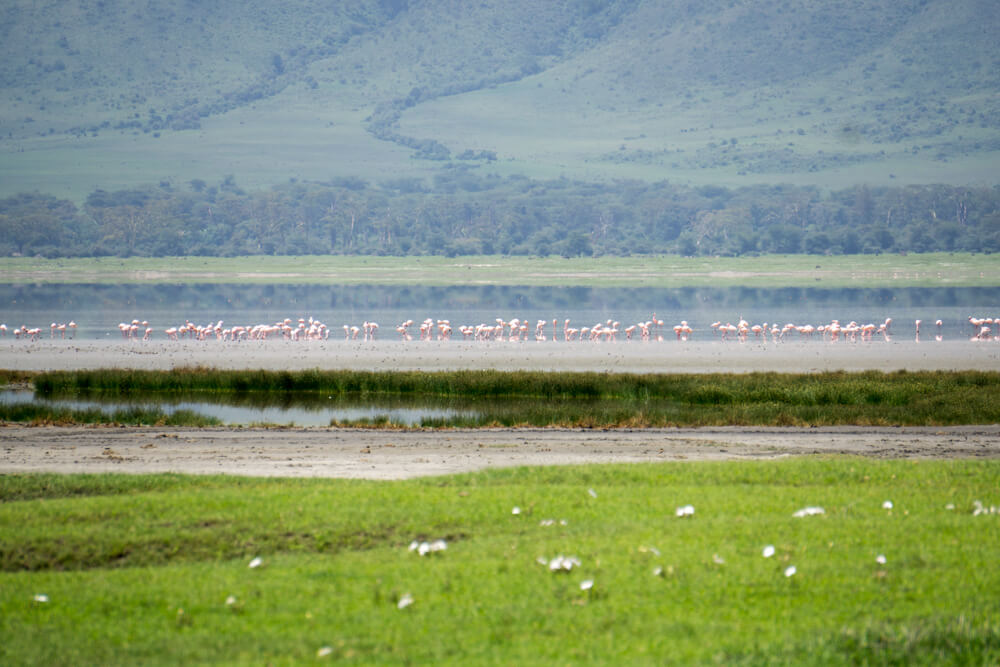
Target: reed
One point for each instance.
(536, 398)
(11, 377)
(134, 416)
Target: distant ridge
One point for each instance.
(714, 91)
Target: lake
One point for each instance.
(98, 309)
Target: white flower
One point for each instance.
(657, 571)
(685, 510)
(586, 584)
(593, 494)
(256, 562)
(887, 505)
(424, 548)
(768, 551)
(717, 559)
(516, 510)
(880, 559)
(231, 600)
(790, 570)
(809, 511)
(563, 563)
(41, 597)
(324, 651)
(950, 506)
(404, 601)
(547, 522)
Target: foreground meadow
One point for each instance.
(899, 567)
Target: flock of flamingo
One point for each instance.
(516, 330)
(32, 333)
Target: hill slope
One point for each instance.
(108, 93)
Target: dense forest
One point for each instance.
(462, 213)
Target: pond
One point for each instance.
(298, 410)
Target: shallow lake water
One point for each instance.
(98, 309)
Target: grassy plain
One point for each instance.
(266, 146)
(154, 569)
(923, 270)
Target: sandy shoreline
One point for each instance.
(385, 455)
(621, 357)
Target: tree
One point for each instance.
(121, 228)
(577, 245)
(817, 243)
(783, 239)
(849, 242)
(687, 245)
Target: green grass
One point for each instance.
(137, 569)
(537, 398)
(914, 270)
(691, 81)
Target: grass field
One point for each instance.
(154, 569)
(925, 270)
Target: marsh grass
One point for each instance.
(138, 568)
(131, 416)
(12, 377)
(535, 398)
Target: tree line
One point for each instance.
(462, 213)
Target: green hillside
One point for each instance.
(110, 93)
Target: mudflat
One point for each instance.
(379, 454)
(612, 357)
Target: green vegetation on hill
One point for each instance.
(832, 93)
